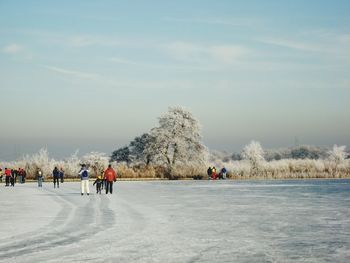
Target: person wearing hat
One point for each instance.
(98, 182)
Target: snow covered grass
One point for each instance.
(336, 166)
(181, 221)
(287, 169)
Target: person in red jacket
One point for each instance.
(7, 176)
(110, 177)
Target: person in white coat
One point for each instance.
(84, 176)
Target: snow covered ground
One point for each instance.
(180, 221)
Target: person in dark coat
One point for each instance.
(61, 175)
(12, 177)
(209, 172)
(56, 177)
(99, 183)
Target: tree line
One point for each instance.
(174, 149)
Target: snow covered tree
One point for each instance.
(337, 154)
(71, 164)
(40, 160)
(254, 153)
(96, 161)
(337, 157)
(137, 148)
(177, 140)
(121, 155)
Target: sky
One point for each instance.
(93, 75)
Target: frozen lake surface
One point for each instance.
(178, 221)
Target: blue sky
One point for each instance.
(92, 75)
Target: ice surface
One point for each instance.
(180, 221)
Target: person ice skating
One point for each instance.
(13, 177)
(56, 177)
(7, 176)
(84, 176)
(61, 175)
(40, 178)
(20, 176)
(24, 174)
(213, 174)
(99, 183)
(103, 184)
(223, 173)
(110, 177)
(209, 172)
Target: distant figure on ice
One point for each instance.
(7, 176)
(209, 172)
(110, 177)
(99, 183)
(61, 175)
(213, 173)
(40, 178)
(84, 176)
(223, 173)
(13, 177)
(24, 173)
(56, 177)
(103, 185)
(20, 176)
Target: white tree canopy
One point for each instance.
(177, 139)
(97, 161)
(337, 154)
(254, 153)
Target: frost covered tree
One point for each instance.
(40, 160)
(71, 164)
(138, 146)
(254, 153)
(337, 156)
(97, 162)
(121, 155)
(177, 140)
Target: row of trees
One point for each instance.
(253, 164)
(174, 149)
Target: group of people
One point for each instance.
(213, 175)
(12, 174)
(104, 180)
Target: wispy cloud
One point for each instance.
(162, 66)
(197, 52)
(120, 60)
(101, 18)
(73, 73)
(228, 53)
(17, 51)
(292, 44)
(12, 49)
(88, 40)
(237, 22)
